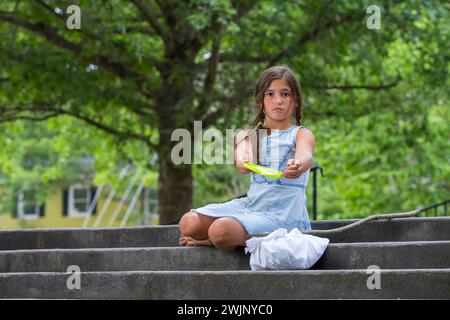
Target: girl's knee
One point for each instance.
(226, 234)
(189, 223)
(218, 232)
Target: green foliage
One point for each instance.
(215, 183)
(376, 100)
(62, 151)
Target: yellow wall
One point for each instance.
(54, 218)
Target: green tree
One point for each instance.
(138, 70)
(61, 151)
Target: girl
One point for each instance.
(270, 203)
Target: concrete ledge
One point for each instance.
(147, 263)
(123, 259)
(405, 229)
(387, 255)
(229, 285)
(155, 236)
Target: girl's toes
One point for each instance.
(183, 241)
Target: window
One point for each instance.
(80, 198)
(151, 214)
(27, 206)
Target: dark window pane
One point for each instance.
(81, 206)
(80, 194)
(29, 208)
(29, 196)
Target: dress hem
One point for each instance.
(208, 215)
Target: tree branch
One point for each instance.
(382, 86)
(274, 59)
(319, 27)
(49, 9)
(367, 219)
(51, 34)
(213, 61)
(406, 214)
(151, 20)
(96, 37)
(40, 28)
(208, 118)
(29, 118)
(15, 114)
(108, 129)
(244, 58)
(242, 8)
(140, 108)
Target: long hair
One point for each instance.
(263, 83)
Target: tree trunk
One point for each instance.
(175, 181)
(174, 189)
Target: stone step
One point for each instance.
(406, 229)
(123, 259)
(230, 285)
(155, 236)
(386, 255)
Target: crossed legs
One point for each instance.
(200, 230)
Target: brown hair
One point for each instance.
(263, 83)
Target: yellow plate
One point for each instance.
(267, 172)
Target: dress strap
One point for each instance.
(280, 164)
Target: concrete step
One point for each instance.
(406, 229)
(230, 285)
(155, 236)
(123, 259)
(413, 255)
(386, 255)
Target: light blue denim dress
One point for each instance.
(270, 203)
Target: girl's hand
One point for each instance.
(240, 167)
(242, 151)
(293, 169)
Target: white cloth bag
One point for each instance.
(281, 250)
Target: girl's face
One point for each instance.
(278, 101)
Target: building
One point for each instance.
(81, 204)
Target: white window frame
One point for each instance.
(148, 201)
(21, 207)
(72, 210)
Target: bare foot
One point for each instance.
(189, 242)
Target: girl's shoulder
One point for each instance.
(304, 134)
(303, 130)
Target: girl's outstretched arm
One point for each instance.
(304, 151)
(243, 150)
